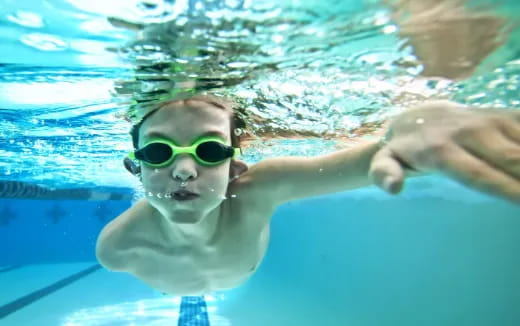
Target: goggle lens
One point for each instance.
(155, 153)
(212, 151)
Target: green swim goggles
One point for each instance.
(159, 152)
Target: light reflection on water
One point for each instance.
(322, 69)
(157, 312)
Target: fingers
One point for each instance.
(386, 171)
(497, 150)
(511, 130)
(476, 173)
(516, 115)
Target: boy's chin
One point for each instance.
(186, 218)
(196, 206)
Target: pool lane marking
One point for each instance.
(10, 268)
(193, 312)
(20, 303)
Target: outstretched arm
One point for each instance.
(287, 178)
(479, 148)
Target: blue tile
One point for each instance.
(193, 312)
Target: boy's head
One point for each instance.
(186, 188)
(224, 104)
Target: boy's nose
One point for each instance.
(184, 168)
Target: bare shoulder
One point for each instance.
(254, 186)
(118, 235)
(128, 220)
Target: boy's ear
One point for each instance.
(132, 167)
(236, 169)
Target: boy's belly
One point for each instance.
(196, 282)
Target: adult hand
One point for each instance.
(478, 147)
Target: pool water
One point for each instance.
(312, 76)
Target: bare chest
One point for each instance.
(196, 268)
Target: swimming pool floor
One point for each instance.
(85, 294)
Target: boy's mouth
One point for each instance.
(183, 195)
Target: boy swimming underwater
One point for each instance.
(205, 226)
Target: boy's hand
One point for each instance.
(478, 147)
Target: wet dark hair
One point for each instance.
(225, 104)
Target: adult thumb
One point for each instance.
(386, 171)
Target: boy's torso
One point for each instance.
(236, 250)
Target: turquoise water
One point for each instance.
(313, 72)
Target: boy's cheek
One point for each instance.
(152, 173)
(151, 179)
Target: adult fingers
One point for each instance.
(476, 173)
(511, 129)
(515, 114)
(497, 150)
(386, 171)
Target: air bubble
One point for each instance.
(238, 132)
